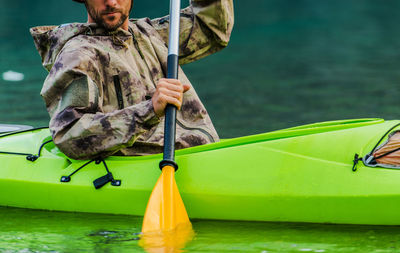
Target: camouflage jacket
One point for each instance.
(99, 87)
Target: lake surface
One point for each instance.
(289, 62)
(42, 231)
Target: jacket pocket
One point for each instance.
(118, 92)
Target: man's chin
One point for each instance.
(111, 26)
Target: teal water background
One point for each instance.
(289, 62)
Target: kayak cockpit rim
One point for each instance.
(308, 129)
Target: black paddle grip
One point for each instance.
(170, 116)
(172, 66)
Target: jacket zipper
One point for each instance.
(118, 91)
(135, 43)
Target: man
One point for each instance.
(106, 90)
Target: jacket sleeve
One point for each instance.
(205, 28)
(79, 127)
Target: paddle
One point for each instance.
(165, 209)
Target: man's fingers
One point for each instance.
(173, 84)
(186, 87)
(170, 80)
(164, 99)
(170, 86)
(171, 93)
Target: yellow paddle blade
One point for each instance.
(166, 225)
(165, 209)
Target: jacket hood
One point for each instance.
(50, 40)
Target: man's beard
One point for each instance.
(97, 17)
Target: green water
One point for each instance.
(289, 62)
(40, 231)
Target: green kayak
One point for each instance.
(300, 174)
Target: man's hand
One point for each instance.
(169, 91)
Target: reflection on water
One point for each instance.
(29, 231)
(41, 231)
(172, 241)
(116, 236)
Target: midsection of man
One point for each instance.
(101, 83)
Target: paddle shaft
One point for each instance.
(172, 72)
(165, 210)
